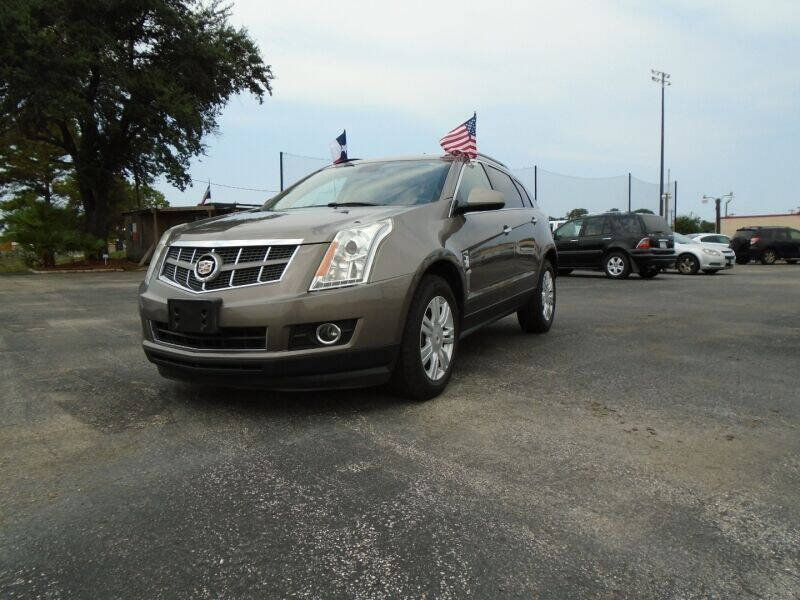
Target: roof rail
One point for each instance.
(492, 159)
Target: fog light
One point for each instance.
(328, 334)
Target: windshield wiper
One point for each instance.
(338, 204)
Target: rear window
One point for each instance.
(655, 224)
(629, 223)
(745, 233)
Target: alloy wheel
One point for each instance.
(436, 338)
(615, 266)
(548, 296)
(686, 265)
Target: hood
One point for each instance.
(312, 225)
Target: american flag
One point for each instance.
(462, 140)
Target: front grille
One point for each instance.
(228, 338)
(241, 266)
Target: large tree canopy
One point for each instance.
(123, 87)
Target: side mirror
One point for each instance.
(480, 199)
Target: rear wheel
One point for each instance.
(538, 313)
(768, 257)
(649, 272)
(617, 265)
(430, 342)
(687, 264)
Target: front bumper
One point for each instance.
(367, 358)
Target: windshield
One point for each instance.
(682, 239)
(401, 182)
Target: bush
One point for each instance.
(43, 229)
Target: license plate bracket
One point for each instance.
(194, 316)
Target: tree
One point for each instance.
(44, 228)
(691, 223)
(577, 212)
(644, 211)
(125, 89)
(123, 197)
(27, 166)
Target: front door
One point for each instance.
(567, 242)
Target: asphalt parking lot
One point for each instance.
(647, 447)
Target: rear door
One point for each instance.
(782, 243)
(593, 240)
(659, 231)
(567, 242)
(794, 237)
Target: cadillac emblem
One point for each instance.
(207, 267)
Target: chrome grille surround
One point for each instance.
(244, 263)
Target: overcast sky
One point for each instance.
(564, 85)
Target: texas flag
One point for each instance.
(339, 148)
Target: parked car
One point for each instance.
(766, 244)
(617, 243)
(365, 272)
(716, 239)
(694, 256)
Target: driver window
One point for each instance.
(472, 177)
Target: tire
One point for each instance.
(742, 260)
(649, 272)
(538, 313)
(564, 271)
(768, 257)
(687, 264)
(710, 271)
(617, 265)
(412, 377)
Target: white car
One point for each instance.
(694, 256)
(716, 240)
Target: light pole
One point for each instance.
(663, 79)
(717, 202)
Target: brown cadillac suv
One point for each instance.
(363, 273)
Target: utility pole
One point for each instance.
(717, 203)
(663, 79)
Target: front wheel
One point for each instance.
(768, 257)
(430, 341)
(687, 264)
(538, 313)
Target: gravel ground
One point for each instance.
(647, 447)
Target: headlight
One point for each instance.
(348, 260)
(712, 252)
(156, 258)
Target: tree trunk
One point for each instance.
(95, 197)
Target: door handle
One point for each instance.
(506, 229)
(607, 238)
(575, 240)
